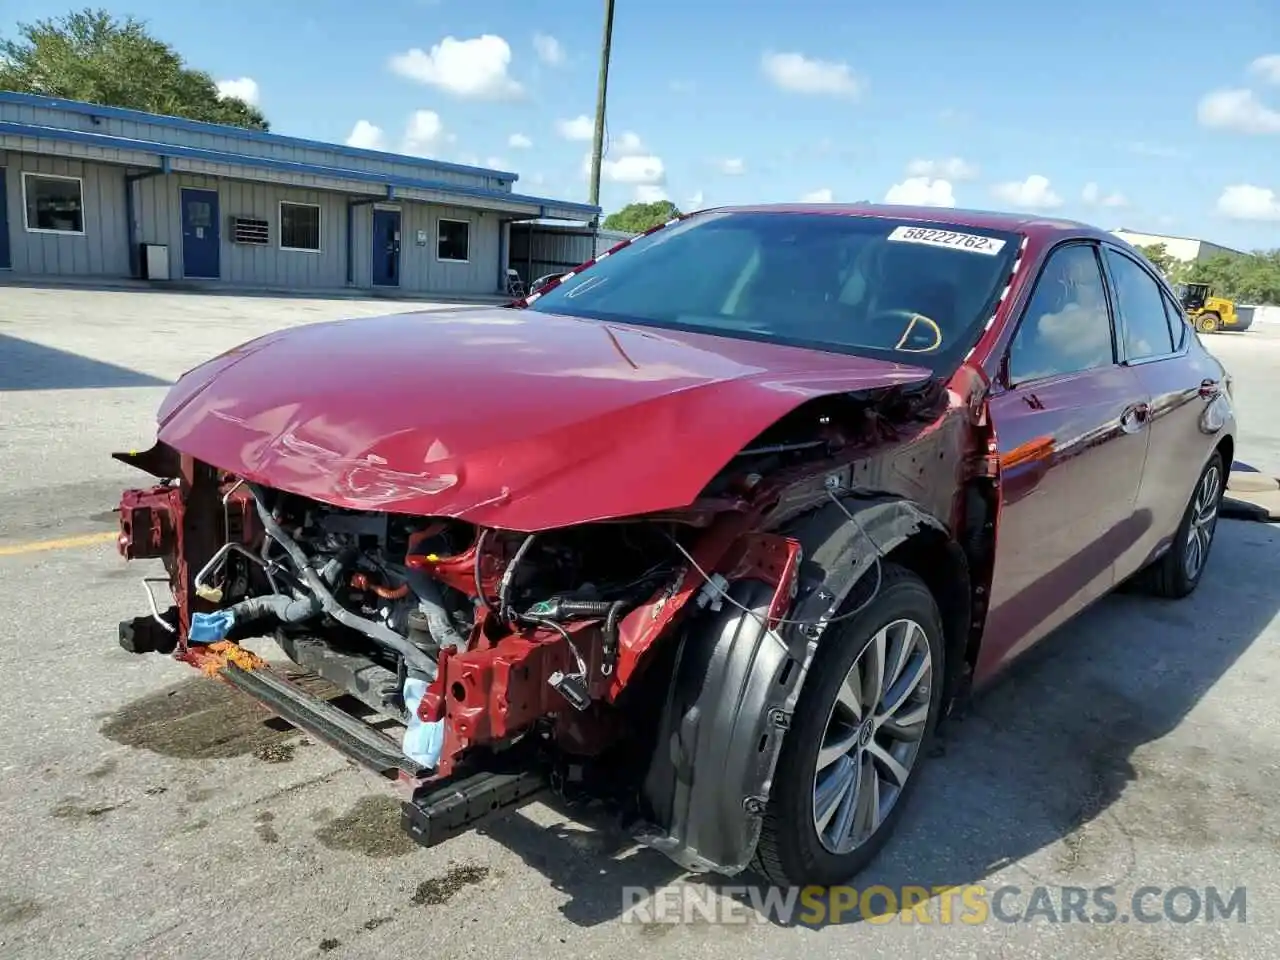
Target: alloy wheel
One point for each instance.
(872, 736)
(1204, 518)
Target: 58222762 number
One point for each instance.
(951, 239)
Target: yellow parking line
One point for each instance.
(64, 543)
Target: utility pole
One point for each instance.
(597, 146)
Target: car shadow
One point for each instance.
(32, 366)
(1029, 772)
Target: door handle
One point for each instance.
(1134, 418)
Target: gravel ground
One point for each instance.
(147, 812)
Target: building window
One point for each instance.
(454, 241)
(300, 226)
(53, 204)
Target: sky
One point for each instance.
(1161, 117)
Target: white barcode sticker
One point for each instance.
(933, 237)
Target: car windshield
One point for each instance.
(909, 291)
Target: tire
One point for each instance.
(790, 851)
(1208, 323)
(1171, 577)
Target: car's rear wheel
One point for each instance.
(1208, 322)
(862, 724)
(1178, 572)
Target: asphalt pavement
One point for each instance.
(148, 812)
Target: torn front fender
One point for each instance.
(736, 685)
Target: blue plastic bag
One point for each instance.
(211, 627)
(422, 741)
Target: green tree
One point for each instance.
(638, 217)
(1159, 256)
(91, 56)
(1253, 278)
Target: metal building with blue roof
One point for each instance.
(94, 191)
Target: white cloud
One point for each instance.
(1092, 194)
(1244, 201)
(1237, 110)
(626, 160)
(799, 74)
(497, 163)
(579, 128)
(519, 141)
(952, 168)
(548, 49)
(475, 69)
(640, 168)
(627, 144)
(696, 201)
(733, 166)
(425, 134)
(244, 88)
(650, 193)
(821, 195)
(1267, 67)
(367, 136)
(921, 192)
(1033, 193)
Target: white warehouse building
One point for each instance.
(1184, 249)
(89, 191)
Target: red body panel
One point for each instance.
(502, 417)
(1068, 506)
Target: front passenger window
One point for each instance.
(1066, 327)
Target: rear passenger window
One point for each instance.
(1142, 321)
(1066, 327)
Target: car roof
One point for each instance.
(1038, 227)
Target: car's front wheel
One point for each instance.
(1208, 323)
(862, 724)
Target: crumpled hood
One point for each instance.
(503, 417)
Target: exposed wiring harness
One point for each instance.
(481, 537)
(783, 621)
(504, 585)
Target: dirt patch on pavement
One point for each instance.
(16, 910)
(197, 719)
(76, 811)
(440, 890)
(371, 826)
(262, 826)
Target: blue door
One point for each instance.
(386, 248)
(5, 263)
(201, 245)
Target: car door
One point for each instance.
(1069, 421)
(1154, 342)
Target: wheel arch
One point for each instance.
(734, 685)
(1227, 448)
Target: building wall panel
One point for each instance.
(102, 251)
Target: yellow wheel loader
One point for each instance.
(1208, 313)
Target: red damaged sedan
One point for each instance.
(716, 527)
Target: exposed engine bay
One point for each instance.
(515, 658)
(407, 593)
